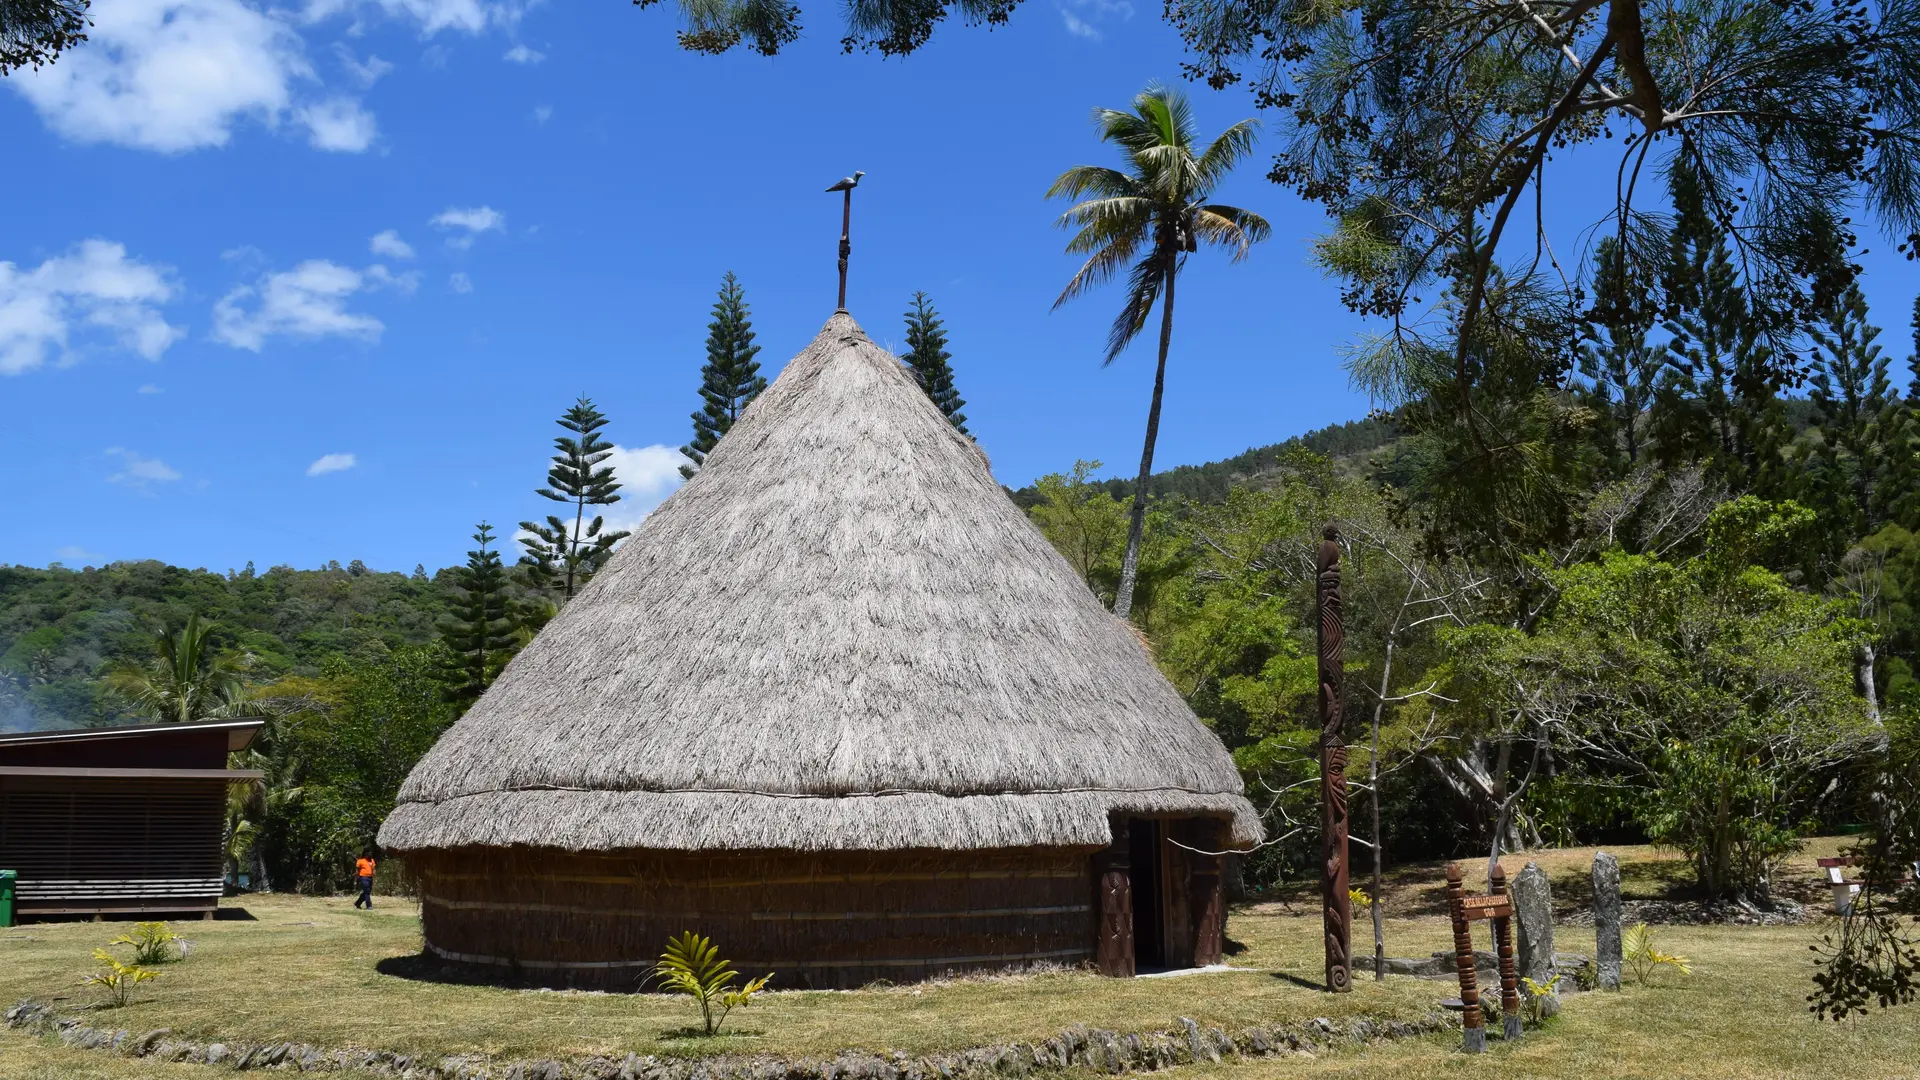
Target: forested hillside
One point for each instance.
(60, 627)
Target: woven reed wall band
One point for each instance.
(756, 916)
(760, 965)
(813, 879)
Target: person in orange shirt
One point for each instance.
(363, 871)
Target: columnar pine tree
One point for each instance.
(1852, 471)
(479, 631)
(562, 555)
(1913, 361)
(927, 358)
(1718, 400)
(1621, 366)
(731, 377)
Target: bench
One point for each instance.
(1843, 890)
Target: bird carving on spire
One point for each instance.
(845, 187)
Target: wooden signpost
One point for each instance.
(1496, 907)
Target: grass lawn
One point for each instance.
(304, 970)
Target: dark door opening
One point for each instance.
(1146, 873)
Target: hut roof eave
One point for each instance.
(753, 821)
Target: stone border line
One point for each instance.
(1076, 1047)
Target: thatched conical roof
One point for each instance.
(840, 635)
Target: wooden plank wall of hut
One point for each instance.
(86, 845)
(822, 920)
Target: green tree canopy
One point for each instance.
(185, 680)
(1712, 687)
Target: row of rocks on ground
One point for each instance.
(1076, 1047)
(1778, 912)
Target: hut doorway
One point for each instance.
(1161, 902)
(1147, 876)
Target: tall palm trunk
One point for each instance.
(1137, 522)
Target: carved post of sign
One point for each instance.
(1510, 1026)
(1476, 1027)
(1113, 905)
(1333, 769)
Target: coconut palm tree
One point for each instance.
(1150, 216)
(185, 680)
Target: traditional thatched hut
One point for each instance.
(839, 705)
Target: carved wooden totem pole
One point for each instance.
(1333, 768)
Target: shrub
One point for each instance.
(692, 966)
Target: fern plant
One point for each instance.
(692, 965)
(1637, 949)
(154, 943)
(115, 979)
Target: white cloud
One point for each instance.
(1083, 18)
(460, 282)
(366, 72)
(149, 388)
(95, 285)
(388, 243)
(178, 75)
(433, 16)
(469, 222)
(542, 113)
(140, 472)
(78, 554)
(647, 475)
(332, 463)
(338, 124)
(379, 277)
(168, 75)
(520, 54)
(308, 301)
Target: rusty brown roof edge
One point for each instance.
(240, 732)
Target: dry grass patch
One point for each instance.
(1742, 1016)
(308, 971)
(1646, 873)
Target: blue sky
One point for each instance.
(291, 284)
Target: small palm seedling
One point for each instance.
(154, 943)
(1536, 998)
(1636, 948)
(692, 966)
(115, 979)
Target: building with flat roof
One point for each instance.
(112, 821)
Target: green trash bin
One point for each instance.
(7, 879)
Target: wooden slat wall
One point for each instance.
(815, 920)
(112, 845)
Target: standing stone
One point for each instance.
(1533, 923)
(1606, 920)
